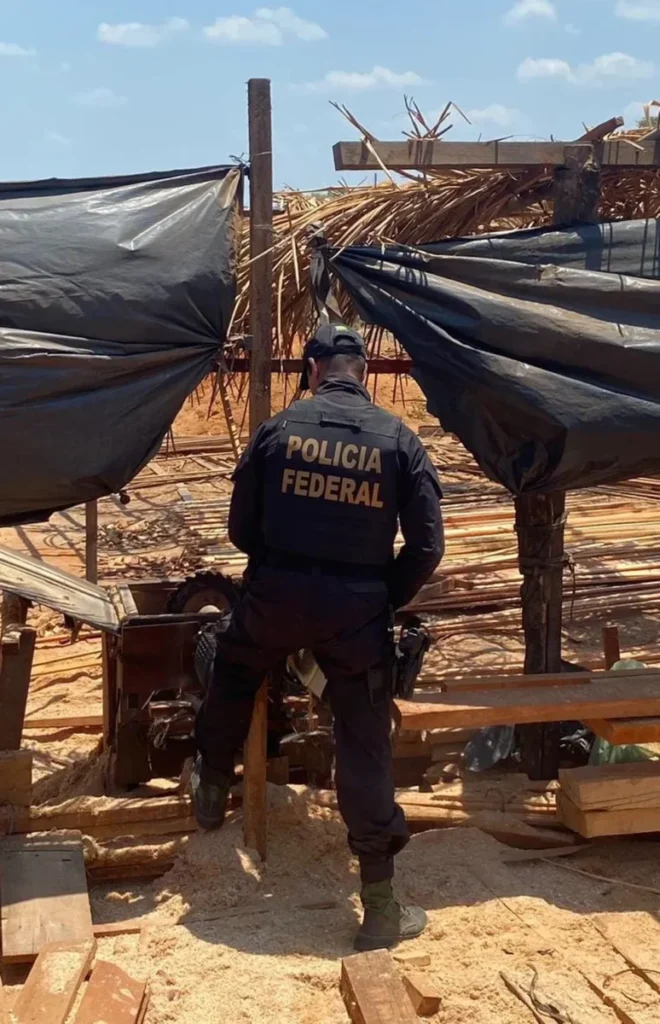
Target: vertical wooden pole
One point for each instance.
(540, 518)
(255, 770)
(261, 320)
(92, 541)
(261, 241)
(17, 643)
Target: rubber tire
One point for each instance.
(201, 589)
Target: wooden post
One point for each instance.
(16, 655)
(92, 541)
(540, 518)
(261, 298)
(261, 241)
(255, 767)
(611, 646)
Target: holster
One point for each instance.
(409, 652)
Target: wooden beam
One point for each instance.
(430, 154)
(52, 985)
(423, 994)
(373, 991)
(255, 768)
(92, 541)
(16, 656)
(594, 824)
(261, 323)
(261, 240)
(541, 518)
(616, 698)
(112, 997)
(64, 722)
(613, 787)
(620, 731)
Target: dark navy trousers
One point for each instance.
(345, 624)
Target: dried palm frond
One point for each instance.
(426, 207)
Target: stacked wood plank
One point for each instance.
(542, 699)
(50, 992)
(617, 799)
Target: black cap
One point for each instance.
(332, 340)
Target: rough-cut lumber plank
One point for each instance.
(51, 987)
(620, 731)
(593, 824)
(353, 156)
(44, 895)
(111, 997)
(618, 697)
(64, 722)
(423, 994)
(517, 681)
(613, 787)
(373, 991)
(113, 928)
(16, 777)
(430, 153)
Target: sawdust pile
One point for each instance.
(308, 861)
(86, 777)
(230, 939)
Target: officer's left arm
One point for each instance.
(420, 519)
(245, 511)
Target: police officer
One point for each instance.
(316, 502)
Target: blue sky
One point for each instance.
(131, 85)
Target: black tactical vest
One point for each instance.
(331, 483)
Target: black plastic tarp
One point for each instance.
(539, 349)
(115, 295)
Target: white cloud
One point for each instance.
(101, 97)
(133, 33)
(639, 10)
(14, 50)
(606, 69)
(496, 113)
(361, 81)
(545, 67)
(524, 9)
(290, 24)
(57, 139)
(268, 26)
(616, 66)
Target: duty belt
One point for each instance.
(322, 567)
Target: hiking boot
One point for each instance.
(386, 922)
(210, 793)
